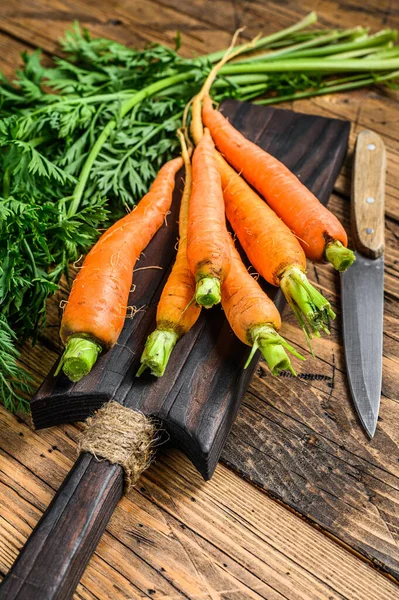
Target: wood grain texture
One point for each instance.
(175, 537)
(56, 554)
(368, 194)
(198, 397)
(356, 480)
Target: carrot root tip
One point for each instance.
(340, 257)
(273, 348)
(208, 292)
(310, 307)
(80, 355)
(157, 351)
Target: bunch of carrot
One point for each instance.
(277, 220)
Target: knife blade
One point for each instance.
(362, 286)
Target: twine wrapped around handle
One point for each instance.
(54, 557)
(122, 436)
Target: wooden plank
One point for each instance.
(174, 537)
(52, 562)
(10, 50)
(147, 23)
(274, 15)
(319, 377)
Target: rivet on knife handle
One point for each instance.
(368, 183)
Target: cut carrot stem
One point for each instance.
(207, 292)
(157, 351)
(312, 310)
(340, 257)
(271, 344)
(79, 357)
(275, 356)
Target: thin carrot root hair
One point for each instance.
(192, 301)
(131, 311)
(77, 261)
(196, 102)
(166, 218)
(149, 267)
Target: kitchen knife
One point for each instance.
(362, 286)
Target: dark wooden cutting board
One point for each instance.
(198, 398)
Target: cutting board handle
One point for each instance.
(53, 559)
(368, 190)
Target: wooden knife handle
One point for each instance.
(368, 189)
(53, 559)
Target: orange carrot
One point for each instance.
(272, 249)
(318, 230)
(253, 317)
(270, 245)
(96, 309)
(176, 313)
(208, 250)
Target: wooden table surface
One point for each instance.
(175, 536)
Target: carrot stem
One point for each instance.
(309, 19)
(272, 346)
(157, 351)
(207, 292)
(320, 40)
(311, 309)
(360, 42)
(340, 257)
(312, 65)
(348, 83)
(79, 357)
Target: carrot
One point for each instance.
(318, 230)
(269, 244)
(96, 309)
(176, 313)
(208, 250)
(253, 317)
(273, 250)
